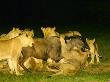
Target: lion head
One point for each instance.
(34, 64)
(13, 33)
(48, 31)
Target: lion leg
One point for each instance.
(52, 70)
(21, 63)
(92, 59)
(85, 64)
(10, 64)
(97, 57)
(58, 73)
(16, 66)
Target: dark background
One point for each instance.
(54, 12)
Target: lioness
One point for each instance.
(34, 64)
(71, 63)
(64, 67)
(13, 33)
(48, 31)
(71, 34)
(93, 50)
(10, 50)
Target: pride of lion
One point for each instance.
(59, 53)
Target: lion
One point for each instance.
(48, 31)
(68, 66)
(13, 33)
(10, 50)
(33, 63)
(71, 63)
(71, 34)
(27, 31)
(64, 67)
(93, 50)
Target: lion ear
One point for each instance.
(42, 28)
(32, 33)
(13, 28)
(93, 40)
(86, 39)
(17, 28)
(54, 28)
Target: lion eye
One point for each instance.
(26, 35)
(20, 34)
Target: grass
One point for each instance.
(81, 76)
(94, 73)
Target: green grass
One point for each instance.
(81, 76)
(95, 73)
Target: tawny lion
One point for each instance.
(71, 34)
(10, 50)
(93, 50)
(48, 31)
(70, 64)
(13, 33)
(34, 64)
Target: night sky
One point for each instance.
(56, 12)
